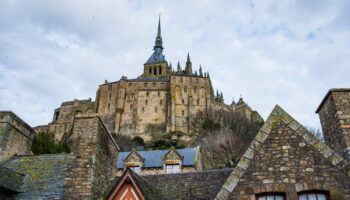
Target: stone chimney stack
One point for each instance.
(334, 113)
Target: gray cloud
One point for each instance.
(288, 53)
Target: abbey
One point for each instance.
(161, 97)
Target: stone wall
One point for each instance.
(16, 136)
(286, 163)
(334, 113)
(94, 160)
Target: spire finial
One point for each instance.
(159, 43)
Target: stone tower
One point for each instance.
(334, 113)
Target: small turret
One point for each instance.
(188, 68)
(233, 102)
(178, 67)
(200, 71)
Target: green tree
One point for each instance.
(138, 141)
(44, 143)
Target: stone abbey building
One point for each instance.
(161, 96)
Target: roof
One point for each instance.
(193, 185)
(10, 179)
(156, 57)
(182, 186)
(149, 191)
(154, 158)
(278, 115)
(329, 93)
(44, 175)
(148, 79)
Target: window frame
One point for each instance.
(136, 167)
(324, 192)
(173, 170)
(268, 194)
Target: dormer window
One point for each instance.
(271, 196)
(172, 169)
(136, 169)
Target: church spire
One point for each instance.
(159, 42)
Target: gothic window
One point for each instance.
(183, 101)
(109, 87)
(271, 196)
(154, 84)
(172, 169)
(197, 101)
(108, 106)
(136, 169)
(161, 102)
(145, 84)
(185, 89)
(181, 80)
(160, 70)
(314, 195)
(146, 102)
(183, 113)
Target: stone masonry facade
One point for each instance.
(92, 162)
(334, 113)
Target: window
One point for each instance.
(154, 84)
(197, 101)
(155, 71)
(161, 102)
(110, 87)
(110, 96)
(183, 113)
(181, 80)
(147, 93)
(190, 80)
(136, 169)
(150, 70)
(129, 84)
(130, 106)
(183, 101)
(145, 85)
(185, 89)
(143, 109)
(314, 195)
(158, 93)
(195, 90)
(271, 196)
(160, 70)
(156, 109)
(108, 106)
(146, 102)
(171, 169)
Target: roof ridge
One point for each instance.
(277, 115)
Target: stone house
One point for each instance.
(160, 161)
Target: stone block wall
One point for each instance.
(16, 136)
(287, 163)
(334, 113)
(94, 160)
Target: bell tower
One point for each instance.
(156, 66)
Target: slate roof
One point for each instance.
(10, 179)
(154, 158)
(182, 186)
(44, 175)
(148, 80)
(156, 57)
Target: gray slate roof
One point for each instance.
(10, 179)
(154, 158)
(156, 57)
(148, 79)
(44, 175)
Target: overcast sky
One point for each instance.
(270, 52)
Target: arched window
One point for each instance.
(314, 195)
(160, 70)
(155, 71)
(185, 89)
(271, 196)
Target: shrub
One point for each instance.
(44, 143)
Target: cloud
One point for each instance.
(288, 53)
